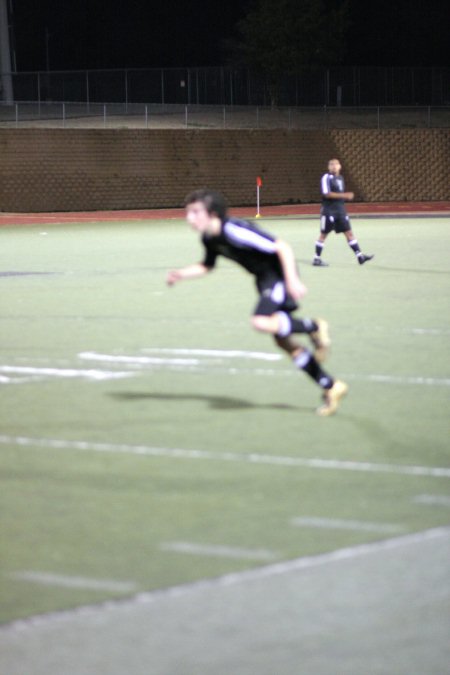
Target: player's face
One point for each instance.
(334, 167)
(198, 217)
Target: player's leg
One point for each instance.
(333, 390)
(273, 314)
(282, 324)
(320, 242)
(353, 243)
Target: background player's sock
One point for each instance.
(355, 246)
(319, 248)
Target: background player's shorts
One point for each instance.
(273, 296)
(339, 223)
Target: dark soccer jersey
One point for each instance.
(331, 183)
(244, 243)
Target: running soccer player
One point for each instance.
(333, 214)
(271, 261)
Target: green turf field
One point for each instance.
(149, 438)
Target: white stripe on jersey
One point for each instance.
(242, 235)
(325, 185)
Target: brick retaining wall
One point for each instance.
(93, 169)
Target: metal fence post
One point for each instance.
(17, 115)
(378, 118)
(146, 117)
(185, 116)
(126, 92)
(429, 116)
(104, 115)
(257, 117)
(162, 86)
(64, 115)
(224, 117)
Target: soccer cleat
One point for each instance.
(321, 340)
(331, 398)
(318, 262)
(364, 258)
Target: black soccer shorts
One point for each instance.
(339, 223)
(273, 296)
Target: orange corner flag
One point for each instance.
(259, 181)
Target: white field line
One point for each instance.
(65, 372)
(49, 579)
(339, 524)
(236, 578)
(432, 500)
(430, 331)
(217, 353)
(251, 458)
(140, 360)
(201, 365)
(218, 551)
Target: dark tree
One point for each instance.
(280, 36)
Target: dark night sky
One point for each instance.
(145, 33)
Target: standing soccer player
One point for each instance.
(271, 261)
(333, 214)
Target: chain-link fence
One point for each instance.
(151, 116)
(227, 86)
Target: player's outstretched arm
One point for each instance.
(348, 196)
(294, 286)
(190, 272)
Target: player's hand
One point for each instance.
(172, 277)
(350, 196)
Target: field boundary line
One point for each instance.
(217, 550)
(233, 578)
(65, 581)
(343, 524)
(200, 365)
(248, 458)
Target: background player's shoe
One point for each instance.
(318, 262)
(364, 258)
(332, 398)
(321, 340)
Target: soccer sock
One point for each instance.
(303, 325)
(290, 325)
(319, 248)
(355, 247)
(306, 362)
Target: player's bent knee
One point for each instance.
(262, 323)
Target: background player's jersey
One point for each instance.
(246, 244)
(331, 183)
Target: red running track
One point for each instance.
(376, 208)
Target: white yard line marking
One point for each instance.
(221, 353)
(339, 524)
(65, 372)
(236, 578)
(49, 579)
(433, 500)
(395, 379)
(218, 551)
(142, 360)
(430, 331)
(252, 458)
(202, 366)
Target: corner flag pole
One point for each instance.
(258, 185)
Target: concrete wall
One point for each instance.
(90, 169)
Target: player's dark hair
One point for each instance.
(214, 202)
